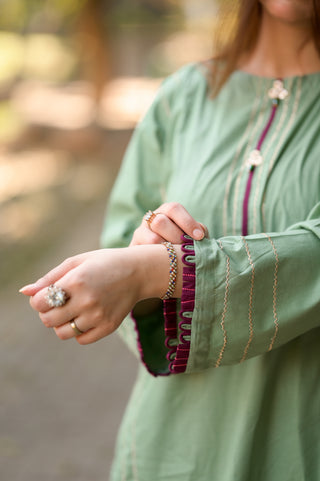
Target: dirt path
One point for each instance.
(60, 403)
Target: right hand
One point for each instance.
(170, 223)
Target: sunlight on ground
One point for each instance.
(22, 219)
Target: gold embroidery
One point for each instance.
(250, 300)
(275, 286)
(223, 317)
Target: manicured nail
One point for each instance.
(198, 234)
(206, 232)
(25, 288)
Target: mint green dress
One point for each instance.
(244, 402)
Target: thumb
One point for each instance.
(51, 277)
(205, 229)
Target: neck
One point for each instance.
(282, 50)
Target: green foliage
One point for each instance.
(55, 15)
(19, 15)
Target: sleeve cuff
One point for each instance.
(178, 340)
(163, 339)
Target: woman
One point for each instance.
(239, 398)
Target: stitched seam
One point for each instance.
(265, 152)
(286, 130)
(223, 317)
(274, 291)
(235, 159)
(250, 300)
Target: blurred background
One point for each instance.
(75, 77)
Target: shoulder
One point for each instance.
(178, 91)
(188, 80)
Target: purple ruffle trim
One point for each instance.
(179, 350)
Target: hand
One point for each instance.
(171, 222)
(103, 287)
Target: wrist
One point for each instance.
(153, 270)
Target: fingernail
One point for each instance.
(206, 231)
(28, 286)
(198, 234)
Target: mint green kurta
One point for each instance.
(248, 406)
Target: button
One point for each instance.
(254, 159)
(278, 91)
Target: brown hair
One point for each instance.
(237, 34)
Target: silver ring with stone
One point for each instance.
(56, 297)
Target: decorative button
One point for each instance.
(277, 91)
(255, 158)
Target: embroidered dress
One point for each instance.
(229, 386)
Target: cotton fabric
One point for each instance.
(248, 406)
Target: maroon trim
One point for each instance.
(178, 349)
(267, 127)
(245, 205)
(179, 355)
(170, 326)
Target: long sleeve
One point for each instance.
(242, 296)
(254, 294)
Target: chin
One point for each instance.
(290, 11)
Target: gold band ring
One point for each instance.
(149, 217)
(75, 328)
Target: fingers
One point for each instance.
(163, 226)
(57, 316)
(205, 230)
(74, 328)
(163, 229)
(52, 276)
(88, 336)
(181, 217)
(168, 223)
(143, 235)
(39, 301)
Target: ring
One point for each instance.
(75, 328)
(149, 216)
(56, 297)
